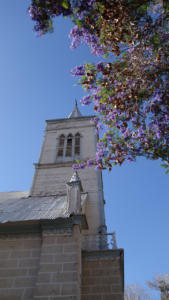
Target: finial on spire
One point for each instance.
(75, 112)
(75, 181)
(75, 177)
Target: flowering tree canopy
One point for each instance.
(128, 87)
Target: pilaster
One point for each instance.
(102, 275)
(59, 275)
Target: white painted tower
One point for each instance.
(65, 141)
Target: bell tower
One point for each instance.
(65, 141)
(56, 236)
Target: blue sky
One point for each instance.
(35, 85)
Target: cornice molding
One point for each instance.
(81, 118)
(55, 165)
(109, 253)
(38, 226)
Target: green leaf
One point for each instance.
(79, 23)
(143, 8)
(164, 166)
(65, 4)
(50, 26)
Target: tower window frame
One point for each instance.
(69, 147)
(61, 147)
(77, 145)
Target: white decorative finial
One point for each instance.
(75, 177)
(75, 112)
(74, 189)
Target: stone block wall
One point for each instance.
(41, 266)
(19, 262)
(102, 275)
(50, 265)
(60, 266)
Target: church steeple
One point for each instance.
(75, 112)
(67, 140)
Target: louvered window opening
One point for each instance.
(61, 145)
(77, 144)
(69, 145)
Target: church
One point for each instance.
(54, 243)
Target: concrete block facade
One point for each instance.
(50, 265)
(38, 266)
(60, 266)
(102, 277)
(19, 263)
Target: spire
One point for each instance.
(75, 112)
(74, 189)
(75, 180)
(75, 177)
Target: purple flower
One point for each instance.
(157, 97)
(130, 159)
(31, 11)
(97, 90)
(109, 137)
(130, 50)
(90, 2)
(97, 50)
(98, 167)
(74, 31)
(95, 120)
(145, 140)
(99, 126)
(100, 154)
(78, 166)
(96, 100)
(126, 133)
(75, 34)
(80, 35)
(78, 70)
(100, 144)
(100, 66)
(158, 134)
(89, 163)
(141, 132)
(86, 100)
(119, 95)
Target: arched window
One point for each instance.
(77, 144)
(61, 145)
(69, 145)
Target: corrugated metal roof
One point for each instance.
(15, 207)
(13, 195)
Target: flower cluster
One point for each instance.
(81, 165)
(86, 100)
(43, 11)
(83, 35)
(129, 88)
